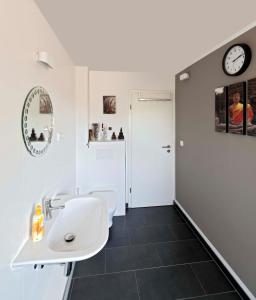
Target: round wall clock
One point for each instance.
(236, 59)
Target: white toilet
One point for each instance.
(110, 197)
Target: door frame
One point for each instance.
(136, 92)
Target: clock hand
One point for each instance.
(237, 57)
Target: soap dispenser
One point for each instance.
(37, 224)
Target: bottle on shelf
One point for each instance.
(104, 132)
(110, 131)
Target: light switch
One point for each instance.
(181, 143)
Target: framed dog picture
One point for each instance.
(109, 104)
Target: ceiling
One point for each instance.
(144, 35)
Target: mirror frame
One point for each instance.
(37, 90)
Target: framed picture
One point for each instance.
(45, 104)
(221, 109)
(251, 108)
(109, 104)
(236, 108)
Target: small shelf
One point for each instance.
(106, 141)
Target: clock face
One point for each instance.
(236, 59)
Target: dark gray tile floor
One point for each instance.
(152, 255)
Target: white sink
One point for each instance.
(83, 218)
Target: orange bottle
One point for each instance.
(37, 224)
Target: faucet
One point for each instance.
(47, 207)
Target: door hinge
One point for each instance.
(130, 190)
(130, 107)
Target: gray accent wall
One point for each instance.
(216, 172)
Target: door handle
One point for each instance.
(168, 147)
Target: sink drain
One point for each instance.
(69, 237)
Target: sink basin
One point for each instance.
(77, 232)
(84, 219)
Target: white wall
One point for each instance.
(119, 84)
(92, 172)
(89, 98)
(24, 180)
(82, 119)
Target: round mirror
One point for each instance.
(37, 121)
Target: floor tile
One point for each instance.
(119, 222)
(162, 215)
(118, 237)
(153, 251)
(211, 277)
(91, 266)
(225, 296)
(135, 217)
(181, 231)
(158, 215)
(168, 283)
(106, 287)
(131, 258)
(182, 252)
(159, 210)
(150, 234)
(179, 213)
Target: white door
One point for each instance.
(152, 150)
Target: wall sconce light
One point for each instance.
(184, 76)
(219, 91)
(44, 58)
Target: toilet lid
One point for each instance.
(109, 196)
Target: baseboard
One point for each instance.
(242, 289)
(68, 285)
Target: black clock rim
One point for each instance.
(248, 57)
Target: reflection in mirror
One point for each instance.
(37, 121)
